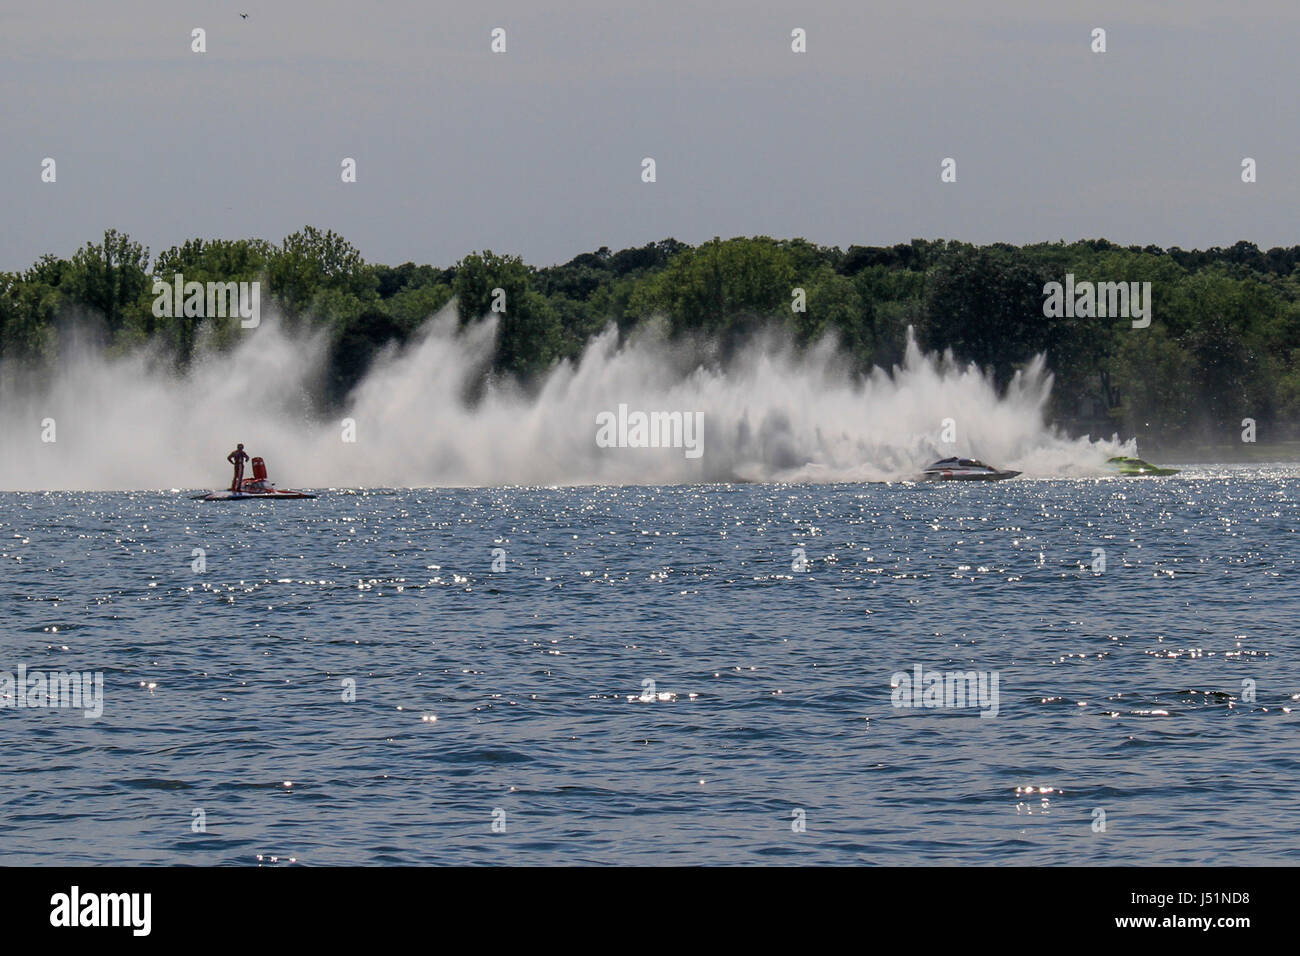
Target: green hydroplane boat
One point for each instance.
(1136, 466)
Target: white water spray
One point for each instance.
(770, 414)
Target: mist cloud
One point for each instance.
(770, 413)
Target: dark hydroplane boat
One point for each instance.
(964, 469)
(256, 487)
(1136, 466)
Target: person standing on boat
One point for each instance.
(237, 458)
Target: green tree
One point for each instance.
(411, 307)
(202, 260)
(479, 275)
(836, 306)
(721, 286)
(27, 310)
(110, 278)
(217, 260)
(1223, 327)
(987, 306)
(353, 350)
(529, 335)
(1154, 377)
(310, 260)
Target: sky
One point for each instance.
(538, 150)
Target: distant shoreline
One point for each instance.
(1220, 453)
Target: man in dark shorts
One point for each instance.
(237, 458)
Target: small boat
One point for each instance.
(1136, 466)
(964, 469)
(256, 487)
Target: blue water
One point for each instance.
(1121, 691)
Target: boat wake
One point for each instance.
(769, 413)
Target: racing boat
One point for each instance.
(964, 469)
(256, 487)
(1136, 466)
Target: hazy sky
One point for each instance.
(538, 151)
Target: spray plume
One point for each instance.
(770, 413)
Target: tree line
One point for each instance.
(1224, 343)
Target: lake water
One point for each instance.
(1155, 696)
